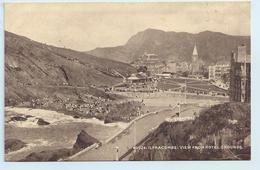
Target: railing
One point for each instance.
(95, 145)
(131, 123)
(82, 151)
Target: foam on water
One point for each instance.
(29, 123)
(30, 146)
(53, 117)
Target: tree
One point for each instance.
(142, 69)
(185, 74)
(225, 78)
(206, 74)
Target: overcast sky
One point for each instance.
(87, 26)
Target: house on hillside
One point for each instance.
(152, 62)
(138, 78)
(171, 66)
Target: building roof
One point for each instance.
(150, 57)
(133, 78)
(138, 76)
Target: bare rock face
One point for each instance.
(18, 118)
(13, 145)
(42, 122)
(83, 141)
(48, 155)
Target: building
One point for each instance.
(195, 55)
(171, 67)
(137, 78)
(211, 72)
(240, 77)
(217, 71)
(140, 82)
(152, 62)
(164, 75)
(196, 62)
(182, 67)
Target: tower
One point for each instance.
(195, 54)
(195, 63)
(240, 79)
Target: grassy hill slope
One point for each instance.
(42, 76)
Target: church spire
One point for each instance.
(195, 52)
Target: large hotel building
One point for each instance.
(240, 77)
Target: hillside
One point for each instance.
(39, 74)
(224, 125)
(213, 47)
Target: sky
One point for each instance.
(85, 26)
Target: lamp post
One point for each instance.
(134, 135)
(185, 91)
(117, 150)
(179, 111)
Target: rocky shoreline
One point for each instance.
(42, 131)
(83, 141)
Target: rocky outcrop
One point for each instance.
(18, 118)
(83, 141)
(13, 145)
(48, 155)
(42, 122)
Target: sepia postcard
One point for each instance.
(127, 81)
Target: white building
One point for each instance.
(217, 71)
(151, 61)
(171, 67)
